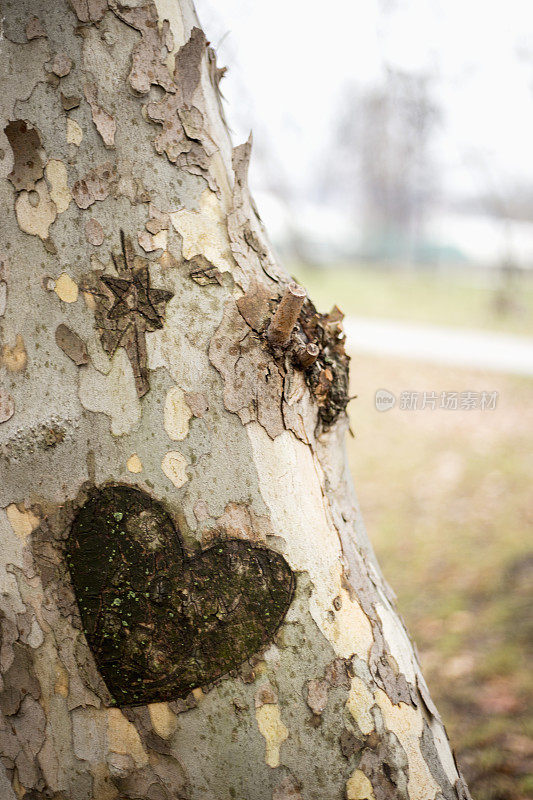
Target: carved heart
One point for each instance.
(159, 623)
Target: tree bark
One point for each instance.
(190, 607)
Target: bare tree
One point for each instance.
(383, 145)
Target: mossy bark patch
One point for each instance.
(160, 623)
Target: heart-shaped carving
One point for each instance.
(160, 623)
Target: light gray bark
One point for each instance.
(111, 121)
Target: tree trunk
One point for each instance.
(190, 607)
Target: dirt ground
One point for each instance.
(447, 499)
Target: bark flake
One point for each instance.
(89, 10)
(103, 121)
(95, 185)
(72, 345)
(28, 166)
(149, 54)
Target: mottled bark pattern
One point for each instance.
(142, 396)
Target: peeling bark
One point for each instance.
(164, 376)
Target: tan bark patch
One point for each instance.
(15, 358)
(20, 791)
(61, 684)
(56, 175)
(287, 789)
(205, 232)
(150, 242)
(74, 132)
(23, 522)
(177, 414)
(358, 787)
(407, 723)
(134, 464)
(198, 403)
(359, 704)
(265, 695)
(66, 289)
(164, 721)
(253, 385)
(159, 220)
(254, 306)
(188, 61)
(123, 738)
(317, 695)
(173, 465)
(168, 261)
(201, 510)
(90, 302)
(35, 210)
(69, 101)
(274, 731)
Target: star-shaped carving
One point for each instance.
(127, 307)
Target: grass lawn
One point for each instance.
(447, 500)
(456, 299)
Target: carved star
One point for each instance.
(128, 308)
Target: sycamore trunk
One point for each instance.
(189, 605)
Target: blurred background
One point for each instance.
(393, 168)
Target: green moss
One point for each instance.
(157, 620)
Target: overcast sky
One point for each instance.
(290, 60)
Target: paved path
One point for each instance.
(481, 350)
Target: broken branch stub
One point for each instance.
(286, 315)
(306, 355)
